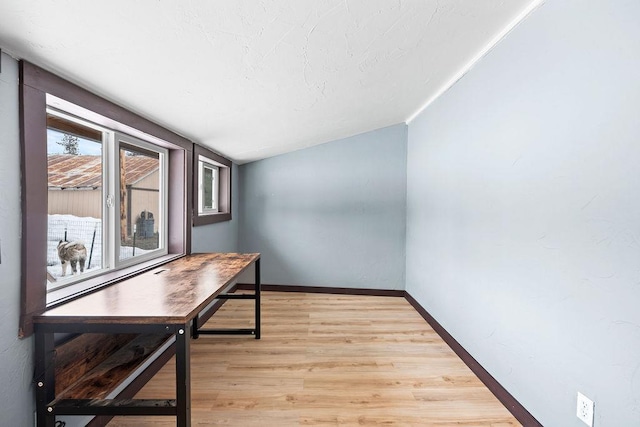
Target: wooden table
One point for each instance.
(165, 300)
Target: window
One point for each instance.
(212, 187)
(106, 199)
(208, 189)
(118, 186)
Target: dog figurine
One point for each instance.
(73, 253)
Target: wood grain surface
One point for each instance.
(112, 371)
(327, 360)
(82, 354)
(173, 293)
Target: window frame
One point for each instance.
(224, 187)
(35, 84)
(127, 141)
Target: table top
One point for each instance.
(173, 293)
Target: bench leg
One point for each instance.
(183, 376)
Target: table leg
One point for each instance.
(194, 327)
(183, 375)
(44, 377)
(257, 291)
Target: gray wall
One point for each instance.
(523, 217)
(222, 236)
(16, 363)
(329, 215)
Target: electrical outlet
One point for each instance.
(584, 409)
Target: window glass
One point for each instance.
(209, 188)
(75, 194)
(141, 201)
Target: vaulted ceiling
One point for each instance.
(256, 78)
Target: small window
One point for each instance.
(212, 187)
(209, 190)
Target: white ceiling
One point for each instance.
(252, 79)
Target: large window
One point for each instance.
(106, 199)
(106, 194)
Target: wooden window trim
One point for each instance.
(35, 84)
(224, 177)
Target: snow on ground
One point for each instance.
(87, 230)
(73, 228)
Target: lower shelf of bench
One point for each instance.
(113, 407)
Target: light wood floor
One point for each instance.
(327, 360)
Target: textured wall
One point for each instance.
(523, 217)
(330, 215)
(16, 365)
(221, 236)
(262, 77)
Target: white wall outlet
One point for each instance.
(584, 409)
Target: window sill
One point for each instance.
(204, 219)
(76, 290)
